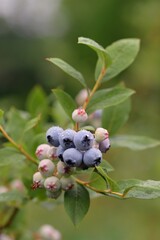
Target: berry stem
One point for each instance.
(96, 86)
(106, 192)
(18, 146)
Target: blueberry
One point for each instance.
(66, 138)
(63, 169)
(38, 180)
(92, 157)
(59, 152)
(79, 115)
(101, 134)
(72, 157)
(52, 135)
(83, 140)
(105, 145)
(67, 183)
(46, 167)
(52, 184)
(42, 151)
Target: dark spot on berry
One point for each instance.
(70, 162)
(86, 141)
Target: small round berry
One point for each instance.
(72, 157)
(52, 135)
(67, 183)
(53, 195)
(4, 236)
(82, 96)
(92, 157)
(79, 115)
(59, 152)
(46, 167)
(18, 185)
(3, 189)
(42, 151)
(66, 138)
(47, 232)
(38, 180)
(52, 184)
(105, 145)
(83, 140)
(63, 169)
(101, 134)
(52, 153)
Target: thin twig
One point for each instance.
(19, 147)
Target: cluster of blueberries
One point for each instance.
(80, 149)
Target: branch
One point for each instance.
(19, 147)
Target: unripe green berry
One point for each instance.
(67, 183)
(54, 195)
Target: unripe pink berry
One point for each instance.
(82, 96)
(63, 169)
(101, 134)
(52, 184)
(18, 185)
(3, 189)
(42, 151)
(47, 232)
(46, 167)
(52, 153)
(38, 180)
(79, 115)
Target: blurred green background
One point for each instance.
(30, 31)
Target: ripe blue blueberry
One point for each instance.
(59, 152)
(105, 145)
(72, 157)
(92, 157)
(83, 140)
(66, 138)
(52, 135)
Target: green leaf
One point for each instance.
(107, 166)
(108, 97)
(111, 184)
(101, 52)
(76, 203)
(10, 156)
(16, 122)
(97, 181)
(32, 123)
(1, 115)
(68, 69)
(66, 101)
(134, 188)
(134, 142)
(37, 102)
(123, 53)
(114, 117)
